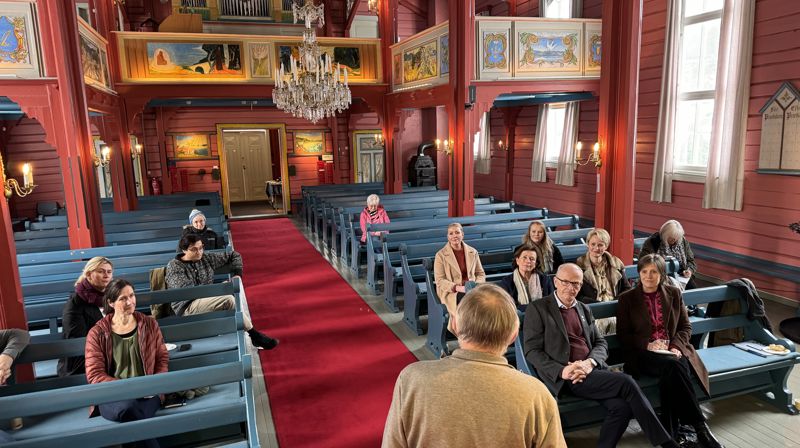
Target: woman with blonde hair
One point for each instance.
(549, 257)
(603, 276)
(82, 310)
(456, 267)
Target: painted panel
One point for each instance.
(308, 143)
(494, 49)
(19, 42)
(548, 49)
(593, 48)
(94, 57)
(260, 65)
(444, 54)
(195, 60)
(348, 57)
(780, 132)
(420, 62)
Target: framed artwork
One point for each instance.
(348, 57)
(494, 49)
(19, 40)
(194, 60)
(421, 62)
(94, 58)
(593, 46)
(397, 69)
(444, 54)
(260, 66)
(309, 143)
(549, 49)
(191, 146)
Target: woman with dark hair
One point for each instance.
(125, 344)
(549, 256)
(654, 329)
(526, 283)
(195, 267)
(82, 309)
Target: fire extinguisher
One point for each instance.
(155, 184)
(320, 171)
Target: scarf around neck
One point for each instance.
(675, 251)
(89, 293)
(527, 290)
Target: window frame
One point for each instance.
(553, 163)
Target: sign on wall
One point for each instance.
(780, 132)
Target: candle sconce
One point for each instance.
(378, 139)
(445, 146)
(502, 146)
(104, 159)
(372, 5)
(136, 151)
(593, 157)
(10, 186)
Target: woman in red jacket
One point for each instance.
(125, 344)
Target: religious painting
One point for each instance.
(420, 62)
(549, 49)
(192, 146)
(194, 60)
(348, 57)
(18, 41)
(94, 59)
(444, 54)
(397, 69)
(260, 66)
(495, 51)
(309, 143)
(593, 46)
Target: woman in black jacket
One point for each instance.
(197, 226)
(82, 310)
(526, 283)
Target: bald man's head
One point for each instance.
(568, 281)
(487, 318)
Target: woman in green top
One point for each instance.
(125, 344)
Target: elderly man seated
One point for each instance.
(474, 397)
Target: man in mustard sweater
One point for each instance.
(474, 397)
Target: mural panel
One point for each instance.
(18, 40)
(260, 66)
(94, 58)
(421, 62)
(192, 146)
(444, 54)
(348, 57)
(309, 143)
(495, 51)
(194, 60)
(549, 49)
(593, 46)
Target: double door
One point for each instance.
(249, 164)
(370, 165)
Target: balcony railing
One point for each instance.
(240, 10)
(246, 8)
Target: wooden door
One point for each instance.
(370, 166)
(257, 164)
(234, 160)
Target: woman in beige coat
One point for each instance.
(456, 263)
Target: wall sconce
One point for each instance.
(378, 139)
(445, 146)
(373, 6)
(11, 185)
(593, 157)
(104, 159)
(136, 151)
(501, 145)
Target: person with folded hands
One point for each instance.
(654, 329)
(457, 268)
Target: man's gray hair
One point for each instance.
(487, 317)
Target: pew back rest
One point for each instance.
(464, 220)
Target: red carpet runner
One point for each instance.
(330, 381)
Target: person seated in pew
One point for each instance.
(373, 213)
(197, 226)
(125, 344)
(670, 241)
(654, 329)
(83, 309)
(12, 342)
(474, 398)
(549, 255)
(456, 267)
(526, 283)
(195, 267)
(603, 275)
(568, 352)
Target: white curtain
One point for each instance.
(538, 170)
(565, 171)
(576, 7)
(482, 146)
(725, 175)
(667, 114)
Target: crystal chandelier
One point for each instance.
(314, 88)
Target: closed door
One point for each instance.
(370, 165)
(248, 164)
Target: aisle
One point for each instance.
(330, 381)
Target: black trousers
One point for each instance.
(678, 400)
(621, 396)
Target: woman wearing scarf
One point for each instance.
(82, 310)
(670, 242)
(549, 257)
(373, 213)
(526, 283)
(603, 276)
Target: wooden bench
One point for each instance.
(731, 371)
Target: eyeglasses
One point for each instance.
(196, 249)
(575, 285)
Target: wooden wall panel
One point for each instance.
(24, 141)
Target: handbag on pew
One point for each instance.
(157, 283)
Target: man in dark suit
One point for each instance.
(569, 355)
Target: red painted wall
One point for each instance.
(771, 202)
(198, 119)
(24, 141)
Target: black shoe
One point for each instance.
(684, 441)
(705, 437)
(261, 340)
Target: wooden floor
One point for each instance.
(740, 422)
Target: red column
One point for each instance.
(622, 31)
(462, 120)
(393, 174)
(12, 311)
